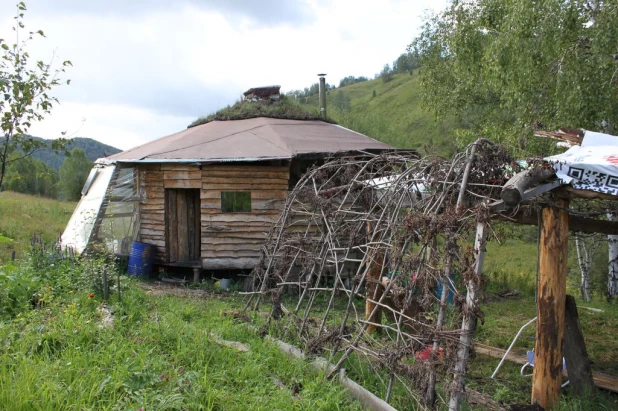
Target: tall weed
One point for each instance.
(45, 274)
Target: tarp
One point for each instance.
(591, 166)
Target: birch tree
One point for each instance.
(612, 265)
(507, 68)
(24, 92)
(585, 265)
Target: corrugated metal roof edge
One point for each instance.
(243, 159)
(364, 135)
(191, 160)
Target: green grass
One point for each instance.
(504, 317)
(159, 354)
(511, 265)
(509, 387)
(282, 108)
(22, 216)
(395, 115)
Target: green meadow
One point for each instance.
(63, 347)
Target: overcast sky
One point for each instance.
(143, 69)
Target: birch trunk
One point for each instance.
(583, 258)
(612, 275)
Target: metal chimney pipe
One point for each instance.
(322, 95)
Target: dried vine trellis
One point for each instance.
(366, 235)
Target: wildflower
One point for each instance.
(70, 291)
(91, 295)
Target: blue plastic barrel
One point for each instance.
(451, 291)
(141, 259)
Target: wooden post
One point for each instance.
(553, 254)
(577, 361)
(196, 274)
(373, 284)
(469, 318)
(119, 296)
(105, 285)
(430, 393)
(374, 290)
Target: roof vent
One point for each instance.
(262, 93)
(322, 95)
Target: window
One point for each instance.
(236, 201)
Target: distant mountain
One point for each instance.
(92, 148)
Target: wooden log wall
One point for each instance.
(228, 240)
(153, 180)
(233, 240)
(152, 208)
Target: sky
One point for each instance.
(144, 69)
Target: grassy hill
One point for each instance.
(393, 115)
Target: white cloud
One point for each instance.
(144, 72)
(117, 125)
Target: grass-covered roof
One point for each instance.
(285, 108)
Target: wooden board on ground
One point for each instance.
(604, 381)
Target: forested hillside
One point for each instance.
(92, 148)
(54, 174)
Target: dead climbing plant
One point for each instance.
(366, 235)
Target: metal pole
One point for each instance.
(511, 346)
(322, 95)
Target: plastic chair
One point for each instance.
(529, 355)
(530, 363)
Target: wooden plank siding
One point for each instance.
(151, 208)
(233, 240)
(153, 180)
(228, 240)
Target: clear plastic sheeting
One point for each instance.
(123, 189)
(81, 224)
(116, 230)
(105, 217)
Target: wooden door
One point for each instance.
(182, 225)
